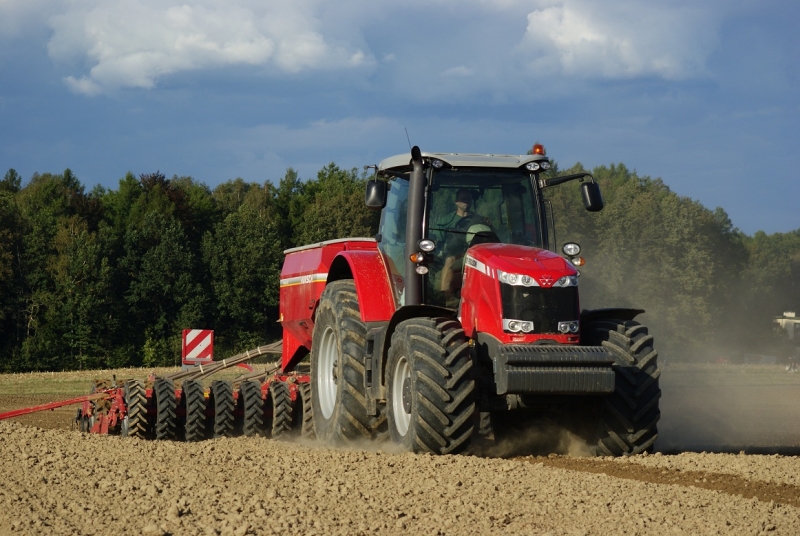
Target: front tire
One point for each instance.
(337, 369)
(430, 396)
(628, 417)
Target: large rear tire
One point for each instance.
(253, 408)
(337, 369)
(430, 390)
(195, 400)
(628, 417)
(166, 403)
(222, 401)
(134, 423)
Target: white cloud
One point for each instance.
(108, 44)
(131, 43)
(622, 39)
(18, 16)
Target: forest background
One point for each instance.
(109, 278)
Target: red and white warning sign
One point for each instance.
(198, 346)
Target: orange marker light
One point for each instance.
(538, 148)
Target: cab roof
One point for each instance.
(402, 162)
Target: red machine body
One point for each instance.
(481, 303)
(305, 272)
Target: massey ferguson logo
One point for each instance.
(546, 280)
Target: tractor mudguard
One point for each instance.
(366, 269)
(379, 335)
(611, 313)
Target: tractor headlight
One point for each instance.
(515, 326)
(571, 249)
(567, 281)
(532, 166)
(516, 279)
(569, 327)
(427, 245)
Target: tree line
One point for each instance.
(110, 277)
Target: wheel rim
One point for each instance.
(401, 393)
(326, 378)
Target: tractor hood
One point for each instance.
(544, 266)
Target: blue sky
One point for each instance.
(701, 94)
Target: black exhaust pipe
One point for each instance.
(416, 210)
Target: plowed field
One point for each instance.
(59, 481)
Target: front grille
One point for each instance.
(545, 307)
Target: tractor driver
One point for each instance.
(453, 227)
(460, 229)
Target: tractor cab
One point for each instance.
(466, 201)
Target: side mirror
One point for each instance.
(592, 199)
(376, 194)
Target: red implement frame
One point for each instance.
(53, 405)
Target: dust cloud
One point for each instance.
(729, 408)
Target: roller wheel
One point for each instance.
(195, 403)
(628, 417)
(304, 417)
(134, 424)
(166, 403)
(279, 409)
(222, 401)
(253, 408)
(338, 369)
(430, 390)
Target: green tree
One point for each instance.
(12, 182)
(164, 292)
(334, 207)
(244, 258)
(83, 312)
(45, 203)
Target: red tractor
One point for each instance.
(458, 319)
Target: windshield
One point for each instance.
(501, 200)
(469, 207)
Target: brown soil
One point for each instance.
(59, 481)
(726, 483)
(65, 482)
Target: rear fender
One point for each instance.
(612, 313)
(366, 269)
